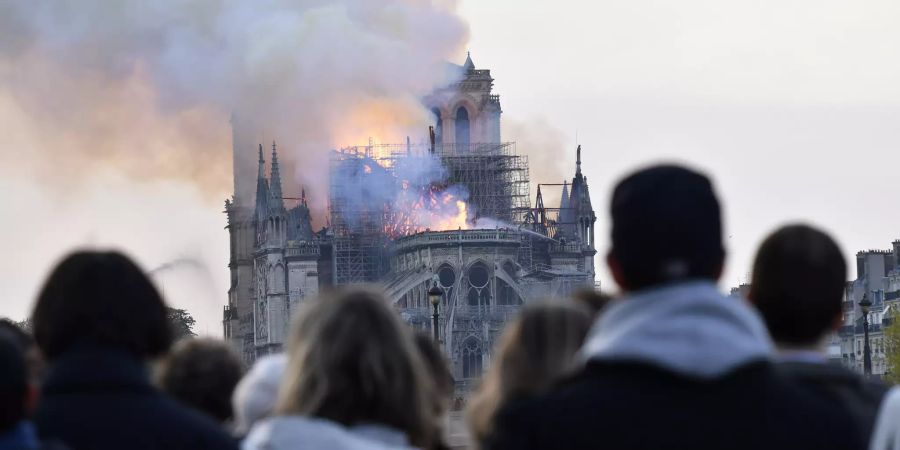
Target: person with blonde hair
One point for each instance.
(354, 380)
(535, 351)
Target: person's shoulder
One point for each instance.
(195, 426)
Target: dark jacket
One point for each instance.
(680, 367)
(860, 397)
(102, 399)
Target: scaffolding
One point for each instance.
(495, 177)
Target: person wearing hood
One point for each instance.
(674, 364)
(354, 381)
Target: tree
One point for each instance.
(182, 323)
(892, 347)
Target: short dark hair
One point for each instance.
(666, 227)
(798, 283)
(100, 298)
(202, 373)
(13, 380)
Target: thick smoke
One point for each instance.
(116, 117)
(149, 87)
(410, 195)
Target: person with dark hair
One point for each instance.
(354, 380)
(97, 320)
(202, 373)
(33, 358)
(675, 363)
(798, 286)
(442, 379)
(18, 393)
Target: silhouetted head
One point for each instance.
(666, 228)
(101, 299)
(535, 351)
(14, 385)
(202, 373)
(353, 361)
(798, 284)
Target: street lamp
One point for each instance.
(434, 295)
(864, 305)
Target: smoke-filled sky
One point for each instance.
(114, 116)
(792, 106)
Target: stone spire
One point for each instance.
(578, 161)
(262, 189)
(469, 65)
(275, 180)
(262, 166)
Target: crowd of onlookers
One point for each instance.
(670, 363)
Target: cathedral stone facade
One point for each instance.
(485, 273)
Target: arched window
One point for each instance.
(471, 358)
(479, 292)
(506, 295)
(447, 276)
(438, 126)
(462, 126)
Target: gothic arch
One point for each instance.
(463, 123)
(472, 357)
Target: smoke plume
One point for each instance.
(148, 87)
(116, 117)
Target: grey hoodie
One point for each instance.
(689, 328)
(297, 433)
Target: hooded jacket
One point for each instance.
(676, 367)
(295, 432)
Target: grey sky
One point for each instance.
(792, 106)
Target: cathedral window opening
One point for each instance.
(462, 126)
(438, 126)
(446, 276)
(506, 295)
(479, 276)
(471, 358)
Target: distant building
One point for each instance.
(877, 278)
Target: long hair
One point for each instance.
(536, 350)
(352, 360)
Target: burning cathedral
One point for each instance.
(453, 213)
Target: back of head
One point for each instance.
(353, 361)
(202, 373)
(798, 284)
(535, 351)
(103, 299)
(666, 227)
(13, 381)
(255, 395)
(438, 369)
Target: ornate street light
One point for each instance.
(434, 295)
(864, 306)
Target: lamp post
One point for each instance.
(434, 295)
(864, 306)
